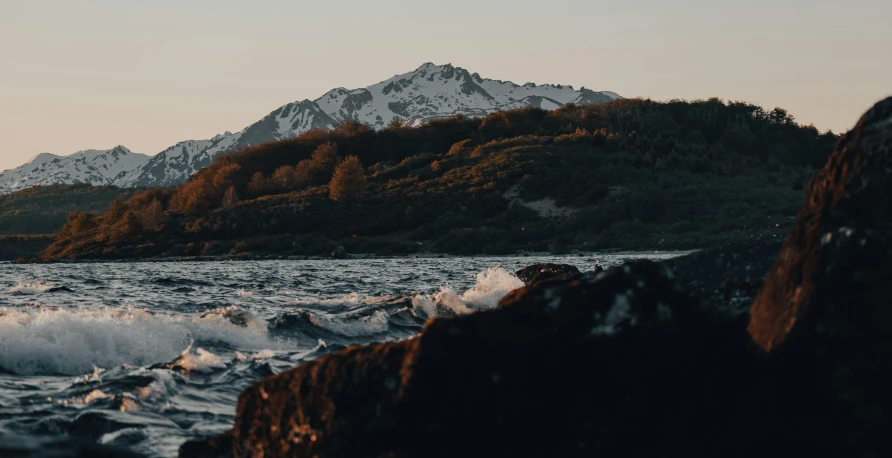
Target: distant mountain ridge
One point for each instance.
(429, 92)
(95, 167)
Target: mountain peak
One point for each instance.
(91, 166)
(427, 66)
(429, 92)
(42, 157)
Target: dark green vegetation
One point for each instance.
(29, 215)
(630, 174)
(23, 246)
(45, 209)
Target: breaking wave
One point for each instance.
(492, 285)
(31, 288)
(376, 323)
(53, 341)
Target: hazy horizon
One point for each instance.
(93, 75)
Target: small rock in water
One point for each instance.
(538, 272)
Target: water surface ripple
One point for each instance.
(149, 355)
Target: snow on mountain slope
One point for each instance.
(168, 167)
(96, 167)
(176, 164)
(429, 92)
(433, 91)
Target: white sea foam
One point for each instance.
(160, 389)
(347, 300)
(27, 289)
(200, 361)
(264, 354)
(375, 323)
(492, 285)
(43, 341)
(94, 395)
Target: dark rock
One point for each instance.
(727, 277)
(215, 447)
(584, 366)
(538, 272)
(339, 253)
(828, 296)
(831, 268)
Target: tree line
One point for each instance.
(437, 183)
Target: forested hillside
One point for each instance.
(45, 209)
(629, 174)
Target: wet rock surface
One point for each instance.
(644, 359)
(728, 277)
(538, 272)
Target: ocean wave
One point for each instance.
(376, 323)
(200, 361)
(24, 289)
(172, 281)
(492, 285)
(346, 301)
(57, 341)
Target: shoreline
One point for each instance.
(348, 257)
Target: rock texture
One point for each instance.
(828, 296)
(726, 277)
(538, 272)
(832, 271)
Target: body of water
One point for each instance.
(149, 355)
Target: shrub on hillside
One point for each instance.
(349, 182)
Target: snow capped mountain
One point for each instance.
(173, 165)
(429, 92)
(96, 167)
(433, 91)
(176, 164)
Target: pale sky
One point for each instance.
(78, 74)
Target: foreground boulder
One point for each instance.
(834, 267)
(828, 296)
(538, 272)
(621, 363)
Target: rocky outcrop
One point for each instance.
(726, 277)
(640, 360)
(830, 271)
(828, 296)
(538, 272)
